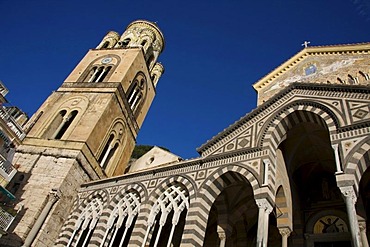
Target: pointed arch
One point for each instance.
(210, 190)
(168, 212)
(122, 219)
(86, 218)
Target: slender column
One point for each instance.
(265, 209)
(350, 198)
(337, 160)
(285, 233)
(110, 147)
(64, 121)
(266, 163)
(222, 236)
(52, 198)
(101, 74)
(362, 225)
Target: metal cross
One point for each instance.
(305, 44)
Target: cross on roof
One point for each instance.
(306, 43)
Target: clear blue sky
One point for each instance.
(215, 50)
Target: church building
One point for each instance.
(293, 172)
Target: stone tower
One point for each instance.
(86, 130)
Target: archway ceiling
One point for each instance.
(308, 143)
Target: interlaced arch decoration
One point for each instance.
(298, 112)
(123, 215)
(87, 221)
(175, 199)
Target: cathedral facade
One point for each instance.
(293, 172)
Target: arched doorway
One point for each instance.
(233, 217)
(310, 166)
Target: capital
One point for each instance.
(263, 203)
(349, 192)
(285, 231)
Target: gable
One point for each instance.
(345, 64)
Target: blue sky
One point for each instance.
(215, 50)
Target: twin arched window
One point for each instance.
(137, 92)
(112, 144)
(60, 124)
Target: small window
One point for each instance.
(125, 43)
(105, 45)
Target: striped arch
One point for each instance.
(104, 218)
(198, 213)
(139, 232)
(70, 224)
(358, 161)
(276, 128)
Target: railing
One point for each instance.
(7, 218)
(7, 170)
(12, 124)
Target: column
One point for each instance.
(337, 160)
(222, 236)
(285, 233)
(52, 198)
(362, 225)
(266, 164)
(350, 198)
(264, 210)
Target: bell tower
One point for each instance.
(86, 130)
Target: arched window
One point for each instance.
(105, 45)
(366, 76)
(108, 151)
(60, 124)
(97, 73)
(150, 60)
(112, 144)
(136, 92)
(340, 80)
(66, 122)
(86, 223)
(121, 221)
(124, 43)
(169, 210)
(351, 80)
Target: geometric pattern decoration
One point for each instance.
(359, 110)
(243, 140)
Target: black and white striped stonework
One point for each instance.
(70, 225)
(197, 218)
(358, 161)
(292, 115)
